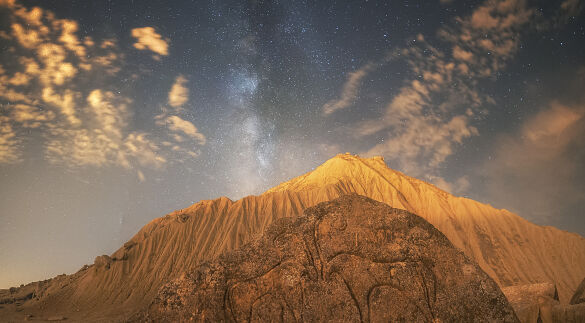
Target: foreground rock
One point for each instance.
(575, 312)
(533, 302)
(539, 303)
(351, 259)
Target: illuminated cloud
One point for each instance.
(424, 142)
(143, 150)
(109, 112)
(29, 116)
(7, 3)
(547, 127)
(106, 140)
(349, 91)
(19, 79)
(81, 124)
(500, 15)
(9, 152)
(97, 148)
(57, 71)
(148, 39)
(572, 7)
(457, 187)
(33, 17)
(421, 129)
(65, 103)
(461, 54)
(538, 166)
(80, 147)
(179, 94)
(484, 42)
(69, 39)
(28, 38)
(176, 124)
(141, 176)
(428, 118)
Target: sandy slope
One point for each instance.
(508, 248)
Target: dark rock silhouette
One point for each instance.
(350, 259)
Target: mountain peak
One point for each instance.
(342, 167)
(356, 158)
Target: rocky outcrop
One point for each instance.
(539, 303)
(568, 313)
(579, 296)
(103, 261)
(533, 302)
(350, 259)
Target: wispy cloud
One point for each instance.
(179, 94)
(349, 91)
(434, 112)
(181, 126)
(148, 39)
(459, 186)
(572, 7)
(7, 3)
(105, 139)
(9, 152)
(65, 103)
(50, 86)
(424, 122)
(535, 169)
(183, 132)
(30, 116)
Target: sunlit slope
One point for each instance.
(510, 249)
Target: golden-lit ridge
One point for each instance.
(508, 248)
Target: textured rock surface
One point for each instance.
(351, 259)
(533, 302)
(579, 296)
(568, 313)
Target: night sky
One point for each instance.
(113, 113)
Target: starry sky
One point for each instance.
(113, 113)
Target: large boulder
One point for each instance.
(350, 259)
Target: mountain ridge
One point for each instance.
(340, 174)
(508, 248)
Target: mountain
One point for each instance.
(508, 248)
(351, 259)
